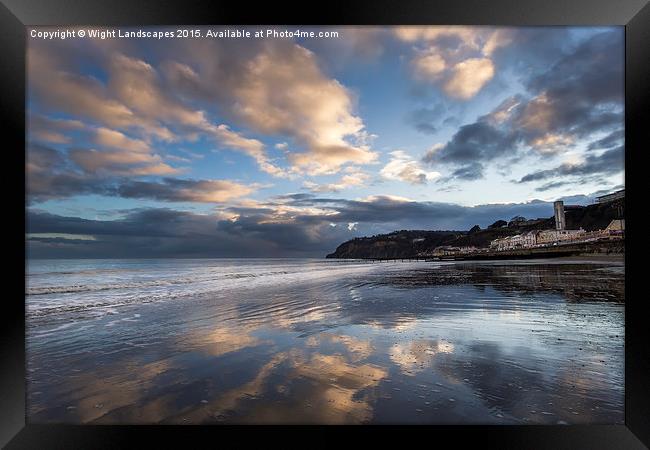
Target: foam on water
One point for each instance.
(99, 287)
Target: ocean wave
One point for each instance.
(94, 298)
(77, 288)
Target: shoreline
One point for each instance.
(614, 257)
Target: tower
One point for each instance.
(558, 209)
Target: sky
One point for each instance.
(287, 147)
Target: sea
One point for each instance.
(295, 341)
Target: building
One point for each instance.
(551, 236)
(536, 238)
(542, 238)
(558, 209)
(611, 197)
(524, 240)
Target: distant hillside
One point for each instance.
(398, 244)
(410, 243)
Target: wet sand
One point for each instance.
(534, 342)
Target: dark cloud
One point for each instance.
(471, 147)
(609, 162)
(472, 171)
(579, 95)
(572, 183)
(169, 233)
(553, 185)
(592, 73)
(257, 232)
(427, 120)
(179, 190)
(50, 175)
(472, 143)
(611, 140)
(533, 49)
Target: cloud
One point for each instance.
(284, 91)
(468, 77)
(279, 89)
(471, 147)
(251, 147)
(578, 96)
(609, 162)
(611, 140)
(115, 153)
(51, 174)
(356, 45)
(272, 88)
(178, 190)
(429, 64)
(116, 140)
(427, 120)
(351, 179)
(471, 171)
(78, 95)
(402, 167)
(456, 58)
(57, 85)
(51, 130)
(133, 99)
(137, 84)
(119, 162)
(297, 225)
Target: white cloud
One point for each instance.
(457, 58)
(402, 167)
(114, 139)
(279, 89)
(120, 162)
(468, 77)
(351, 179)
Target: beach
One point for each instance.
(223, 341)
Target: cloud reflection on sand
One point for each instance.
(294, 387)
(492, 347)
(416, 356)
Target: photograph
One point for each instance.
(325, 225)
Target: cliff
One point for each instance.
(398, 244)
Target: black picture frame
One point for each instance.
(16, 15)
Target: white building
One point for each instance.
(523, 240)
(534, 238)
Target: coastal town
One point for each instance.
(594, 228)
(544, 238)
